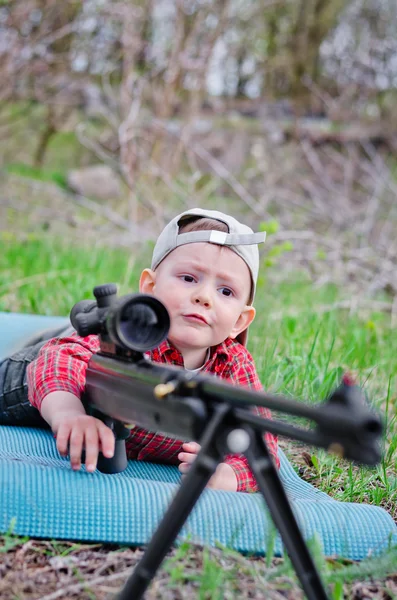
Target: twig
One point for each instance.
(95, 147)
(104, 211)
(78, 587)
(220, 170)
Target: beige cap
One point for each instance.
(241, 239)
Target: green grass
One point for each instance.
(306, 355)
(302, 353)
(48, 277)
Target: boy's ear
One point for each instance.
(245, 319)
(147, 281)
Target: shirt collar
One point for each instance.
(223, 351)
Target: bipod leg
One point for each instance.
(189, 492)
(281, 512)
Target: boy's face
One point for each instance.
(205, 288)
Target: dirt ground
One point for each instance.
(44, 570)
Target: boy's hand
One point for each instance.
(83, 432)
(224, 477)
(75, 430)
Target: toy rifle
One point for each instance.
(124, 388)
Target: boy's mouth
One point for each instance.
(196, 317)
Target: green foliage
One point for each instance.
(321, 254)
(40, 174)
(26, 120)
(277, 250)
(269, 226)
(66, 152)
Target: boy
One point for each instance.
(204, 269)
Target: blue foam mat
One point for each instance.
(44, 497)
(17, 328)
(41, 496)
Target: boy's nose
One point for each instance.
(202, 297)
(199, 300)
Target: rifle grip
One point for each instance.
(117, 463)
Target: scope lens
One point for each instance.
(138, 322)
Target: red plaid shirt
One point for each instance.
(62, 363)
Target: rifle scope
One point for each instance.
(136, 322)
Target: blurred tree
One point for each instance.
(35, 65)
(187, 51)
(273, 47)
(136, 64)
(359, 64)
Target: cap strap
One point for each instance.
(221, 238)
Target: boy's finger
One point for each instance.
(63, 435)
(75, 448)
(184, 468)
(91, 448)
(107, 441)
(187, 457)
(191, 447)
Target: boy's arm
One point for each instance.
(60, 366)
(56, 380)
(56, 406)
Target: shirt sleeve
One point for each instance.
(243, 373)
(60, 366)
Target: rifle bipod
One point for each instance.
(224, 431)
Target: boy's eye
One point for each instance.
(226, 291)
(188, 278)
